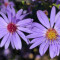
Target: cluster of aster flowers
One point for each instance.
(45, 34)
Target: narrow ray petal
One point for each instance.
(35, 40)
(12, 43)
(24, 22)
(24, 30)
(42, 39)
(52, 51)
(35, 24)
(17, 41)
(57, 24)
(5, 0)
(35, 35)
(43, 48)
(23, 36)
(57, 15)
(22, 16)
(8, 42)
(43, 18)
(2, 22)
(9, 16)
(19, 13)
(52, 16)
(4, 40)
(4, 16)
(13, 12)
(3, 33)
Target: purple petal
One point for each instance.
(3, 24)
(24, 30)
(11, 3)
(57, 24)
(13, 20)
(58, 50)
(58, 31)
(12, 43)
(17, 41)
(4, 16)
(9, 9)
(57, 15)
(38, 26)
(43, 18)
(5, 38)
(9, 16)
(19, 13)
(35, 40)
(3, 32)
(3, 9)
(8, 42)
(52, 50)
(35, 35)
(57, 20)
(40, 40)
(22, 16)
(43, 48)
(23, 36)
(36, 30)
(5, 0)
(24, 22)
(52, 16)
(13, 11)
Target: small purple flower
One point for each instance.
(11, 30)
(33, 0)
(57, 1)
(5, 4)
(46, 35)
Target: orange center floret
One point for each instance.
(51, 34)
(11, 27)
(6, 4)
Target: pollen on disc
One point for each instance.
(51, 34)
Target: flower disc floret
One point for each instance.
(51, 34)
(11, 27)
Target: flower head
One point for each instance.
(11, 30)
(47, 34)
(5, 5)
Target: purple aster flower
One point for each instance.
(46, 35)
(5, 4)
(11, 30)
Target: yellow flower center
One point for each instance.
(51, 34)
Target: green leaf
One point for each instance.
(57, 5)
